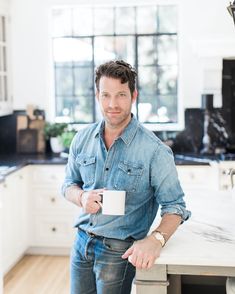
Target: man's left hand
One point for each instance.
(143, 253)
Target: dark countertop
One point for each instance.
(13, 162)
(25, 159)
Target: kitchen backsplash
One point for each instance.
(189, 140)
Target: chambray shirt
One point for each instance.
(137, 162)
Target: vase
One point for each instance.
(56, 145)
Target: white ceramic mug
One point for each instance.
(113, 202)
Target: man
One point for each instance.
(118, 153)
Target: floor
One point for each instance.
(40, 275)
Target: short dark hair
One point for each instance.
(117, 69)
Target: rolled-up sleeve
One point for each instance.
(72, 172)
(167, 189)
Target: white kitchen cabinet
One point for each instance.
(15, 218)
(52, 216)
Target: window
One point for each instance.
(144, 36)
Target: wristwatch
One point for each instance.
(159, 236)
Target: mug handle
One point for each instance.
(100, 202)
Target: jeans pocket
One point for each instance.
(115, 245)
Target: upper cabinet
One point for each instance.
(5, 98)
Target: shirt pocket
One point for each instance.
(128, 176)
(87, 166)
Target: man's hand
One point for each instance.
(143, 253)
(90, 201)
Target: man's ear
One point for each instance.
(134, 96)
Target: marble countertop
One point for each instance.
(208, 237)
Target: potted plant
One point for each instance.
(53, 132)
(66, 138)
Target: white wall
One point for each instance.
(206, 30)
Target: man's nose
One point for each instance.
(113, 102)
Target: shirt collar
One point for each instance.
(130, 130)
(128, 133)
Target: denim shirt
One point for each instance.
(137, 162)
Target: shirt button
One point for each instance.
(107, 168)
(91, 224)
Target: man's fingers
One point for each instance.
(127, 253)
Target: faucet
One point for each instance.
(232, 173)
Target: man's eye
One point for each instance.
(122, 94)
(104, 95)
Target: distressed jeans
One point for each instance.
(97, 266)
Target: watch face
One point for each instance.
(160, 238)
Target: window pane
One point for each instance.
(167, 19)
(125, 48)
(82, 21)
(62, 22)
(125, 20)
(64, 81)
(167, 50)
(103, 49)
(82, 112)
(147, 53)
(109, 48)
(167, 80)
(83, 80)
(158, 109)
(167, 109)
(103, 18)
(67, 50)
(146, 20)
(147, 81)
(78, 109)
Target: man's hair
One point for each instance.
(117, 69)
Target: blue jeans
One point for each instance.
(97, 266)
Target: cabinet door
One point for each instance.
(15, 219)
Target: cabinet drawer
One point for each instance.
(50, 200)
(53, 232)
(48, 175)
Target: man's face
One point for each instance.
(115, 101)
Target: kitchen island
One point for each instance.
(204, 245)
